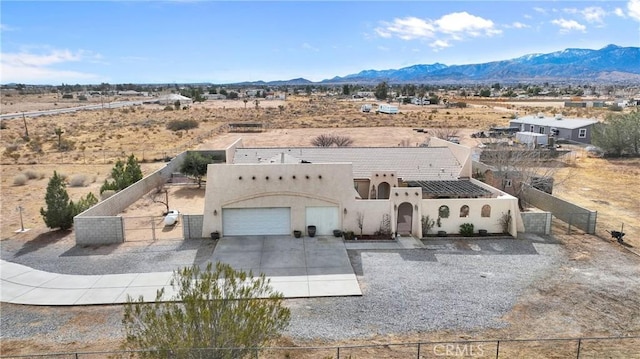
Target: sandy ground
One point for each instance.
(562, 306)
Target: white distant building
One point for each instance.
(172, 98)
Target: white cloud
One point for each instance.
(527, 16)
(517, 25)
(306, 46)
(439, 45)
(619, 12)
(456, 26)
(634, 9)
(409, 28)
(540, 10)
(569, 25)
(465, 23)
(5, 27)
(594, 14)
(32, 67)
(382, 48)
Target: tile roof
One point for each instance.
(566, 123)
(409, 163)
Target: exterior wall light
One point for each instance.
(215, 212)
(307, 176)
(345, 211)
(280, 178)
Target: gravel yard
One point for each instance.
(453, 285)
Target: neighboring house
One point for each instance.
(274, 191)
(569, 129)
(214, 96)
(171, 99)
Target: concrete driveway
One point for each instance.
(297, 267)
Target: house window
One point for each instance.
(541, 130)
(486, 211)
(443, 212)
(464, 211)
(582, 133)
(506, 183)
(532, 128)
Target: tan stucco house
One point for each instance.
(274, 191)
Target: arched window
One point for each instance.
(486, 211)
(464, 211)
(443, 212)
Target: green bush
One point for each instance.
(177, 125)
(466, 229)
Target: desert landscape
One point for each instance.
(96, 139)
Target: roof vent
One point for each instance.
(540, 115)
(558, 116)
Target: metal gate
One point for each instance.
(151, 228)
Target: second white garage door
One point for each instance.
(256, 221)
(325, 219)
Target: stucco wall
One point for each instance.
(98, 230)
(123, 199)
(275, 185)
(452, 224)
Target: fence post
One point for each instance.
(418, 350)
(338, 353)
(579, 344)
(153, 228)
(498, 349)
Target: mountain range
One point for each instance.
(611, 64)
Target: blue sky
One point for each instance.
(52, 42)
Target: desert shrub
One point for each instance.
(168, 108)
(3, 125)
(20, 180)
(615, 108)
(33, 174)
(466, 229)
(12, 147)
(82, 98)
(67, 145)
(67, 96)
(177, 125)
(78, 180)
(106, 194)
(63, 176)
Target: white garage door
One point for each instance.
(325, 219)
(256, 221)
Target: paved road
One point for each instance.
(57, 111)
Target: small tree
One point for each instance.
(211, 309)
(381, 91)
(195, 165)
(360, 219)
(123, 175)
(245, 100)
(59, 212)
(84, 203)
(176, 105)
(58, 131)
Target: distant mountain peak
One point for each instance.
(571, 64)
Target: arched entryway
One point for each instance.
(405, 218)
(384, 189)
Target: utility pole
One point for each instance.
(26, 130)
